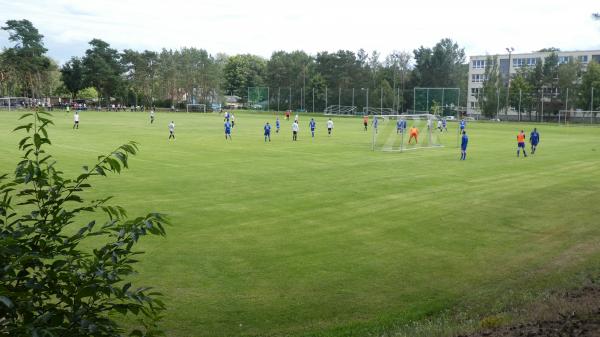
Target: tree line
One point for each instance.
(170, 76)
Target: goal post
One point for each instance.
(195, 107)
(392, 133)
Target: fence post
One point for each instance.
(339, 99)
(592, 107)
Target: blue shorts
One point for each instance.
(463, 148)
(521, 144)
(227, 132)
(534, 143)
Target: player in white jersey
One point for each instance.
(151, 116)
(439, 125)
(76, 120)
(171, 130)
(295, 129)
(329, 126)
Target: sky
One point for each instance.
(263, 26)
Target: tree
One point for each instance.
(102, 69)
(49, 284)
(520, 92)
(26, 58)
(72, 76)
(440, 66)
(568, 81)
(492, 89)
(243, 71)
(590, 81)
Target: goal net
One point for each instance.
(195, 107)
(393, 132)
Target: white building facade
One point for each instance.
(517, 61)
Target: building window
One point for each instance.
(477, 78)
(531, 62)
(583, 58)
(472, 105)
(478, 64)
(564, 59)
(475, 91)
(518, 63)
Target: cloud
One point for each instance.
(263, 26)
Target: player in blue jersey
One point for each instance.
(267, 129)
(399, 126)
(227, 126)
(226, 116)
(534, 139)
(312, 125)
(464, 141)
(444, 124)
(375, 123)
(277, 125)
(463, 125)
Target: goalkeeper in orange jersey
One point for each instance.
(414, 133)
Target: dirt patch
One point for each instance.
(574, 313)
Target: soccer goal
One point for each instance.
(393, 132)
(195, 107)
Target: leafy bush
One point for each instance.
(49, 284)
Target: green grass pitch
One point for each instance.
(326, 237)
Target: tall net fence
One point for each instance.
(546, 105)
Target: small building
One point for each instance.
(233, 102)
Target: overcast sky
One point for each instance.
(263, 26)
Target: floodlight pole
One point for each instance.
(497, 102)
(325, 99)
(313, 99)
(381, 101)
(290, 100)
(278, 97)
(352, 98)
(509, 50)
(268, 99)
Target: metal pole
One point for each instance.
(427, 102)
(520, 92)
(508, 86)
(566, 108)
(290, 100)
(249, 96)
(313, 99)
(352, 98)
(497, 102)
(414, 99)
(367, 109)
(268, 99)
(278, 97)
(542, 116)
(339, 99)
(443, 101)
(325, 100)
(592, 107)
(381, 101)
(8, 103)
